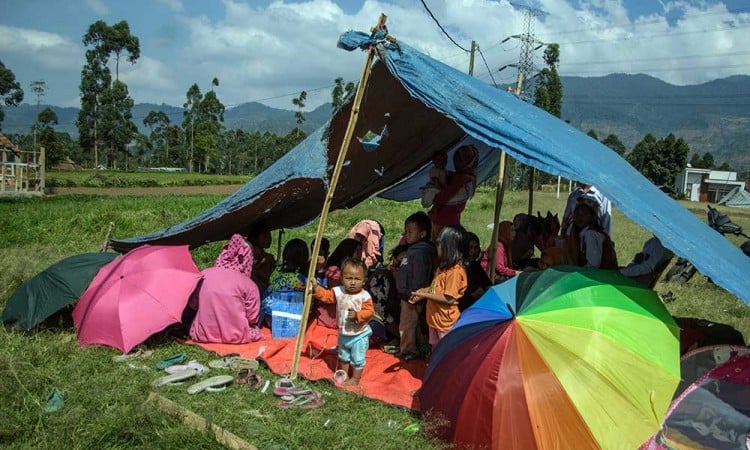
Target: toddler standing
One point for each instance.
(353, 312)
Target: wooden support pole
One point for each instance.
(42, 169)
(196, 422)
(353, 116)
(499, 195)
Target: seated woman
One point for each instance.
(291, 276)
(228, 300)
(503, 257)
(259, 237)
(588, 245)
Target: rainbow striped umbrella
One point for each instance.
(563, 358)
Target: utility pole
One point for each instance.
(39, 87)
(471, 58)
(526, 69)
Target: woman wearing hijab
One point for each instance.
(228, 300)
(503, 258)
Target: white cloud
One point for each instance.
(149, 80)
(259, 52)
(46, 50)
(98, 6)
(174, 5)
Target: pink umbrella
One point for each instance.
(135, 296)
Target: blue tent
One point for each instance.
(415, 106)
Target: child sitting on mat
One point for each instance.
(354, 309)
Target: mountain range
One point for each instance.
(712, 117)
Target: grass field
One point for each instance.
(107, 178)
(105, 402)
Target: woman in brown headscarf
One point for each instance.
(503, 258)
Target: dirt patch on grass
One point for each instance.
(224, 189)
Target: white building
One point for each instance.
(705, 185)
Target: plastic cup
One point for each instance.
(339, 376)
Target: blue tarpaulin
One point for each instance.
(429, 106)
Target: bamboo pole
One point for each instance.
(329, 198)
(499, 195)
(199, 423)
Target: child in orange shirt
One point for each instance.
(354, 309)
(448, 286)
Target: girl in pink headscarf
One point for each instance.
(228, 300)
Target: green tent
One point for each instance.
(52, 289)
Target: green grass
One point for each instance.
(104, 401)
(110, 178)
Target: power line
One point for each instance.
(441, 27)
(487, 66)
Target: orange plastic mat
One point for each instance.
(386, 377)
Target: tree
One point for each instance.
(659, 160)
(95, 80)
(158, 123)
(115, 39)
(118, 128)
(202, 124)
(48, 137)
(105, 104)
(190, 117)
(725, 167)
(613, 142)
(708, 161)
(549, 92)
(592, 134)
(10, 90)
(38, 87)
(299, 102)
(340, 92)
(696, 161)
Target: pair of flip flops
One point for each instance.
(213, 384)
(249, 378)
(234, 363)
(140, 353)
(193, 364)
(310, 400)
(296, 397)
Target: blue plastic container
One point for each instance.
(286, 313)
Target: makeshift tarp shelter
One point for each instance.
(428, 106)
(737, 198)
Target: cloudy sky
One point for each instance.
(269, 51)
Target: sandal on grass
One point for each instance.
(284, 382)
(193, 364)
(293, 391)
(312, 400)
(243, 376)
(174, 378)
(254, 381)
(140, 353)
(223, 362)
(172, 360)
(239, 363)
(212, 384)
